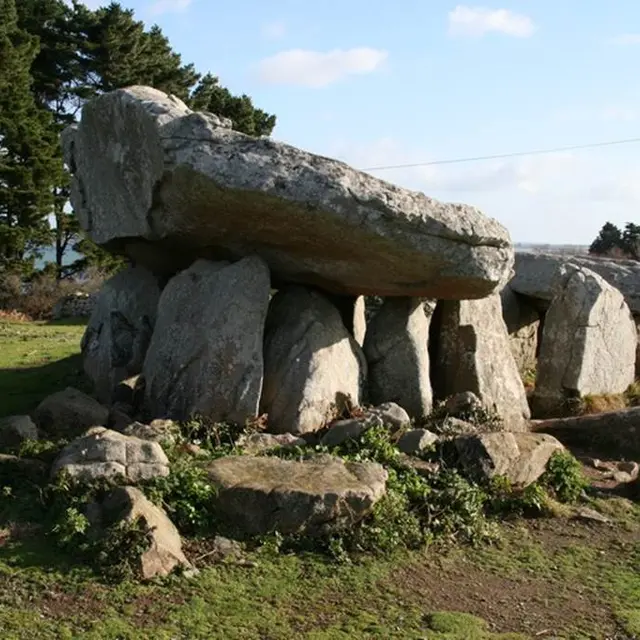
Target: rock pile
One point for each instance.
(249, 260)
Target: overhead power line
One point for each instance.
(576, 147)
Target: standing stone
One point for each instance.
(115, 342)
(637, 321)
(472, 353)
(396, 348)
(588, 343)
(165, 185)
(523, 324)
(314, 368)
(205, 357)
(360, 320)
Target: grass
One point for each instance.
(548, 578)
(36, 359)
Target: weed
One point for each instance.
(564, 477)
(187, 496)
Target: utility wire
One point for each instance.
(592, 145)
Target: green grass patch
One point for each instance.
(37, 359)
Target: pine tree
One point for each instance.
(57, 83)
(27, 150)
(210, 96)
(609, 238)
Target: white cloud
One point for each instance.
(478, 21)
(626, 39)
(274, 30)
(168, 6)
(318, 69)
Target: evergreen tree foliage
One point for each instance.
(71, 54)
(27, 150)
(612, 241)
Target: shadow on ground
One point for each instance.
(21, 390)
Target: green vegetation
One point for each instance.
(615, 242)
(57, 55)
(36, 359)
(398, 575)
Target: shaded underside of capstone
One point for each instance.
(166, 186)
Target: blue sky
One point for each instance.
(385, 83)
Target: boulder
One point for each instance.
(588, 342)
(115, 342)
(69, 413)
(14, 430)
(313, 367)
(164, 553)
(536, 274)
(523, 325)
(520, 457)
(164, 185)
(205, 356)
(614, 433)
(396, 348)
(416, 441)
(472, 353)
(263, 495)
(102, 453)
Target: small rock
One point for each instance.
(256, 443)
(462, 404)
(224, 550)
(165, 551)
(15, 430)
(621, 477)
(590, 515)
(161, 431)
(453, 427)
(391, 414)
(630, 467)
(102, 453)
(69, 413)
(416, 441)
(424, 468)
(344, 430)
(129, 391)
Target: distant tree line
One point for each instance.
(617, 243)
(54, 57)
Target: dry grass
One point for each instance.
(592, 403)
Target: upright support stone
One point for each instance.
(352, 312)
(205, 356)
(523, 325)
(470, 349)
(588, 343)
(313, 366)
(396, 348)
(119, 331)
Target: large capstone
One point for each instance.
(164, 185)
